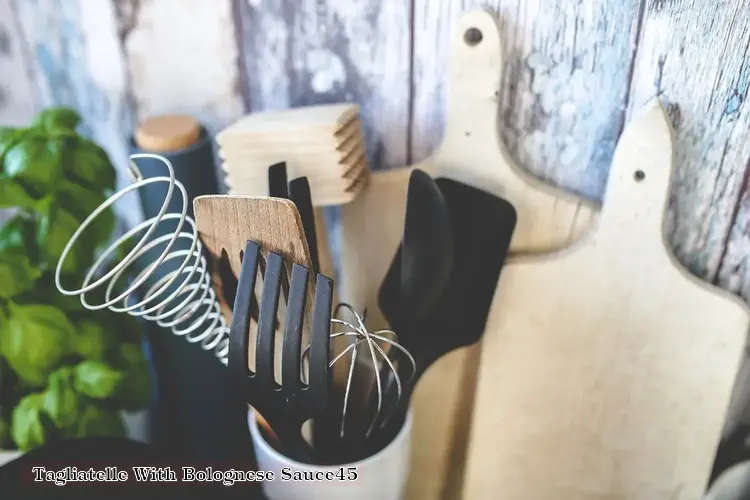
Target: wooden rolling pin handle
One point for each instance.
(167, 133)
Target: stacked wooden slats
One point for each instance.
(325, 143)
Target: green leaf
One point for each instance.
(80, 201)
(30, 426)
(135, 391)
(91, 341)
(9, 137)
(57, 120)
(89, 163)
(13, 194)
(16, 274)
(19, 235)
(97, 379)
(45, 292)
(35, 340)
(100, 421)
(37, 161)
(61, 401)
(54, 229)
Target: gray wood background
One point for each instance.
(576, 70)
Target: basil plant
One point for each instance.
(65, 371)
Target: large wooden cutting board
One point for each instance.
(371, 227)
(606, 368)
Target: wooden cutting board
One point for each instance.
(606, 369)
(371, 227)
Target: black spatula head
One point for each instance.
(299, 193)
(483, 226)
(422, 266)
(277, 181)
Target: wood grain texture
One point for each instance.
(182, 59)
(17, 96)
(78, 63)
(696, 58)
(565, 85)
(313, 52)
(592, 391)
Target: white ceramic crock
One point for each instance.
(380, 477)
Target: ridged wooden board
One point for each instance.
(371, 226)
(606, 369)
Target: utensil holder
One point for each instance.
(381, 476)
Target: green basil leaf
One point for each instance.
(97, 421)
(37, 161)
(13, 194)
(16, 274)
(61, 401)
(18, 234)
(57, 120)
(97, 379)
(54, 229)
(89, 163)
(45, 292)
(91, 340)
(31, 427)
(9, 137)
(36, 340)
(3, 337)
(135, 391)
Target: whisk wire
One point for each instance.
(191, 309)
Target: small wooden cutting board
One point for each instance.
(606, 368)
(371, 227)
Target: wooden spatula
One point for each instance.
(226, 222)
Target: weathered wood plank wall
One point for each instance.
(575, 72)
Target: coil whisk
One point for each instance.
(180, 297)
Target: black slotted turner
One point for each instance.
(285, 407)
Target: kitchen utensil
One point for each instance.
(323, 143)
(278, 184)
(608, 370)
(458, 317)
(423, 263)
(344, 433)
(298, 190)
(288, 406)
(181, 299)
(299, 193)
(379, 477)
(225, 222)
(470, 152)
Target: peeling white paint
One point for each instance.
(19, 103)
(184, 60)
(327, 70)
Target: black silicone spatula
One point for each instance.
(422, 267)
(482, 229)
(298, 190)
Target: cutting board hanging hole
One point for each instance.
(473, 36)
(639, 175)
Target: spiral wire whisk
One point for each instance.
(376, 356)
(191, 309)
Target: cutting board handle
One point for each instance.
(475, 68)
(638, 187)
